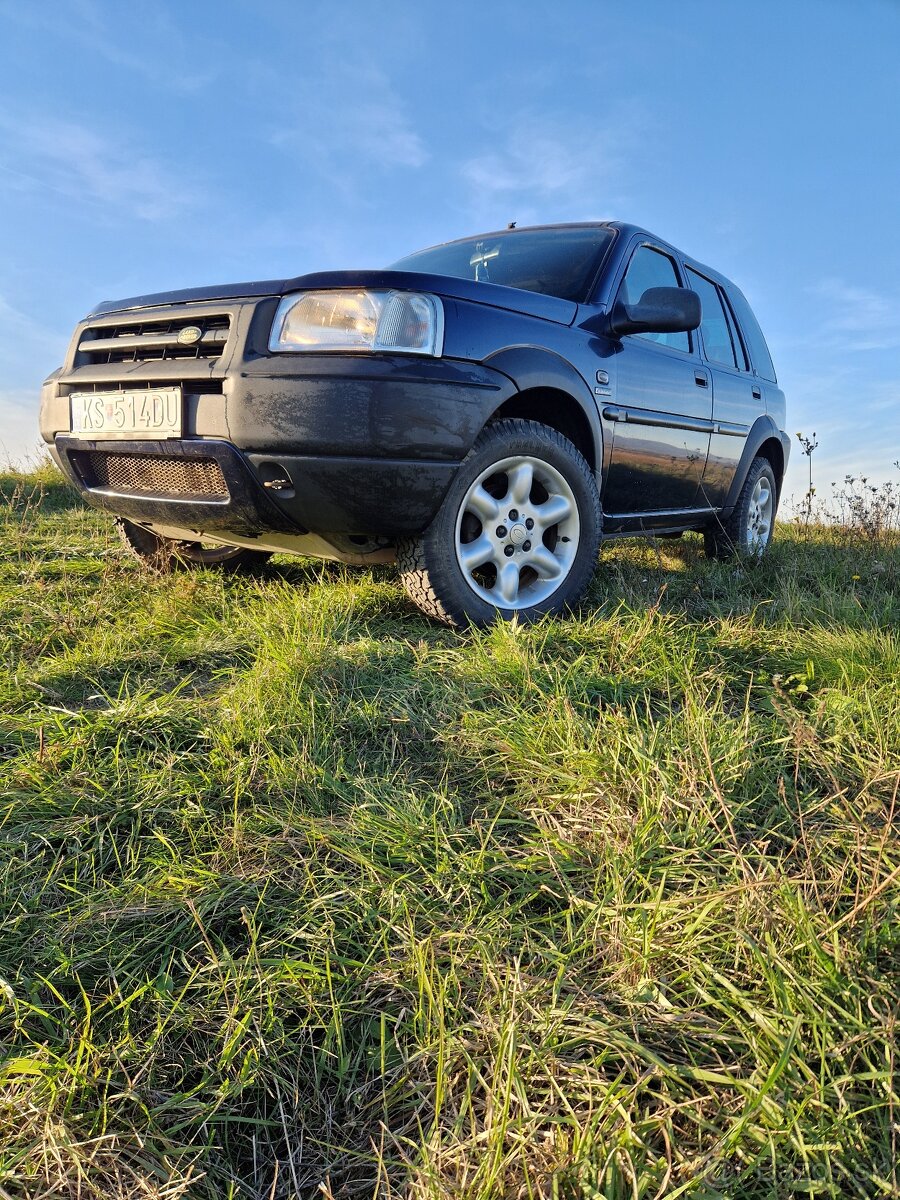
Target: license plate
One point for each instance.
(144, 414)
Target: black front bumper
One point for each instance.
(351, 444)
(222, 489)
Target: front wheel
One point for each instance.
(517, 534)
(165, 554)
(750, 527)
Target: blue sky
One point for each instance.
(144, 147)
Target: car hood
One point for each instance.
(533, 304)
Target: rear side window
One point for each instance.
(714, 326)
(651, 268)
(753, 335)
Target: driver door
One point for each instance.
(660, 418)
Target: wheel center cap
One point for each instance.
(518, 534)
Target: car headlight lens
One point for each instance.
(407, 322)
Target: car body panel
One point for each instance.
(365, 445)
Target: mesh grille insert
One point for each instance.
(148, 473)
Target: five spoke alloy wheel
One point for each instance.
(517, 534)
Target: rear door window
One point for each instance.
(753, 335)
(715, 329)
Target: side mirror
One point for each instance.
(659, 310)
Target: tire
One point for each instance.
(479, 559)
(750, 527)
(163, 555)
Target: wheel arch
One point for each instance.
(551, 391)
(556, 408)
(773, 451)
(764, 440)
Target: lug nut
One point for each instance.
(508, 551)
(501, 531)
(514, 514)
(526, 545)
(529, 524)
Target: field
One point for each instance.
(304, 895)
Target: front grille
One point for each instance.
(150, 474)
(155, 340)
(189, 387)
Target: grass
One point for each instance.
(303, 894)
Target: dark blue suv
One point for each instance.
(484, 413)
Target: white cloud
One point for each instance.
(26, 340)
(870, 318)
(93, 28)
(20, 440)
(863, 442)
(349, 110)
(534, 163)
(73, 161)
(36, 351)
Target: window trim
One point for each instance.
(729, 324)
(737, 333)
(754, 370)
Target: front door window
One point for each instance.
(651, 268)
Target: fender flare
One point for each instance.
(762, 430)
(532, 367)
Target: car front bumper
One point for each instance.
(210, 486)
(358, 446)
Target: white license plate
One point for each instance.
(152, 413)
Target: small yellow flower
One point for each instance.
(857, 577)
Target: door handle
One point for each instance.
(757, 393)
(701, 379)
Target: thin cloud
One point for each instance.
(25, 339)
(869, 319)
(535, 164)
(350, 112)
(92, 27)
(29, 351)
(20, 439)
(75, 162)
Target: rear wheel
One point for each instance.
(517, 534)
(166, 554)
(750, 527)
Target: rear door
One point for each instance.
(736, 395)
(659, 418)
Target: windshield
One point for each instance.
(558, 262)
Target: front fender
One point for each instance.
(530, 367)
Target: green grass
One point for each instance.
(303, 894)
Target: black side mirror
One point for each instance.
(659, 310)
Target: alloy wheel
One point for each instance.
(517, 532)
(760, 513)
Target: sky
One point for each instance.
(148, 147)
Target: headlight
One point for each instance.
(408, 322)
